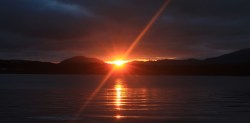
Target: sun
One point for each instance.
(118, 63)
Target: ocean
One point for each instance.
(124, 98)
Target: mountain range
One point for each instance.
(235, 63)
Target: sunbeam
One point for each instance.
(129, 50)
(145, 30)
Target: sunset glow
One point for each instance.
(118, 63)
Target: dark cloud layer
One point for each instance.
(56, 29)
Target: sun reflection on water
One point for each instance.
(118, 116)
(120, 94)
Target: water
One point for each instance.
(175, 99)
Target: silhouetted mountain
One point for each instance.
(25, 66)
(235, 63)
(240, 56)
(82, 65)
(81, 60)
(74, 65)
(178, 62)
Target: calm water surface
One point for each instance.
(174, 99)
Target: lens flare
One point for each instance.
(145, 30)
(125, 55)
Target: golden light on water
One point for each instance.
(120, 93)
(118, 96)
(118, 116)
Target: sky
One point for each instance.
(52, 30)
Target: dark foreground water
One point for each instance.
(172, 99)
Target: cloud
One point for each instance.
(54, 29)
(45, 18)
